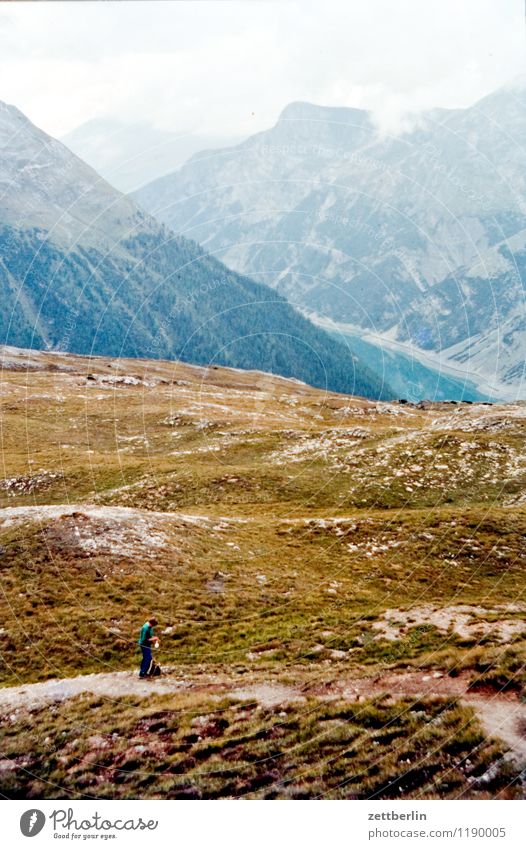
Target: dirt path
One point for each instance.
(505, 719)
(113, 684)
(10, 516)
(502, 716)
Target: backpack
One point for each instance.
(154, 669)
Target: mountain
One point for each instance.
(83, 269)
(418, 236)
(130, 154)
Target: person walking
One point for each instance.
(147, 639)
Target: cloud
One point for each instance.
(230, 67)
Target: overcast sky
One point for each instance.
(228, 68)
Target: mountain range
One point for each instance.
(130, 154)
(84, 269)
(417, 238)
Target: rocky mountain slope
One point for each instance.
(82, 268)
(419, 237)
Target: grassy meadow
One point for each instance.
(280, 534)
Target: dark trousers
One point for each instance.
(146, 659)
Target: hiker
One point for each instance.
(146, 640)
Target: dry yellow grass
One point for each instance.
(275, 529)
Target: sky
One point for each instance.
(228, 68)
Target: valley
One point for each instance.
(417, 236)
(83, 269)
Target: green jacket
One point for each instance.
(146, 635)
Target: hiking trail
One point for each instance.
(501, 715)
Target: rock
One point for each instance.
(490, 774)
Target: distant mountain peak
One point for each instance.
(302, 110)
(12, 121)
(378, 231)
(13, 111)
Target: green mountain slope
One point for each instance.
(82, 268)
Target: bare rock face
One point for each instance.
(419, 237)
